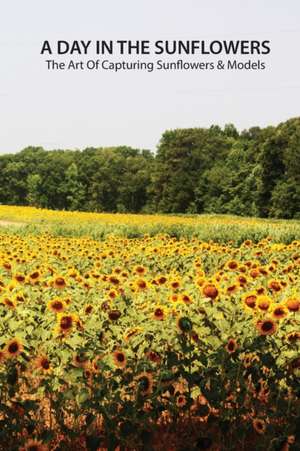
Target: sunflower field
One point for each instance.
(150, 341)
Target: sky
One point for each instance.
(78, 109)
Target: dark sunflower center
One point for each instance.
(267, 326)
(250, 301)
(45, 364)
(80, 359)
(66, 322)
(60, 281)
(114, 314)
(120, 358)
(278, 312)
(231, 346)
(13, 347)
(144, 383)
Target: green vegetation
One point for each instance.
(252, 173)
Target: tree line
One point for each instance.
(255, 172)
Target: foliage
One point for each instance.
(195, 170)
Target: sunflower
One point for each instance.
(153, 356)
(119, 359)
(266, 327)
(175, 284)
(10, 303)
(195, 337)
(200, 281)
(95, 364)
(159, 313)
(232, 264)
(263, 271)
(56, 305)
(231, 346)
(145, 383)
(114, 280)
(249, 358)
(181, 401)
(114, 315)
(72, 272)
(162, 280)
(42, 363)
(65, 322)
(80, 360)
(19, 297)
(13, 348)
(7, 266)
(88, 309)
(174, 297)
(242, 280)
(141, 284)
(112, 294)
(279, 311)
(67, 300)
(140, 270)
(293, 305)
(34, 445)
(254, 273)
(263, 303)
(250, 300)
(293, 337)
(259, 425)
(12, 285)
(186, 298)
(34, 277)
(20, 278)
(131, 332)
(274, 285)
(210, 291)
(184, 324)
(59, 282)
(232, 288)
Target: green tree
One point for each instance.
(73, 188)
(33, 189)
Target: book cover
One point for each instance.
(149, 225)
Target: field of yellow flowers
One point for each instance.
(219, 228)
(148, 341)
